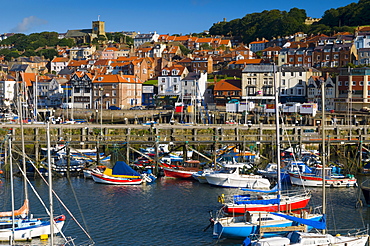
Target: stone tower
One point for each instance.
(98, 27)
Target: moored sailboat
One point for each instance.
(120, 174)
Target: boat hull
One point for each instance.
(105, 179)
(315, 181)
(225, 228)
(291, 204)
(178, 173)
(239, 181)
(28, 232)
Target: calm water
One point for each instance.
(168, 212)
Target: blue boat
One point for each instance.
(251, 222)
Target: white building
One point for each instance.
(169, 83)
(144, 38)
(7, 89)
(292, 82)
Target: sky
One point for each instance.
(144, 16)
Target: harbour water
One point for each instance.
(168, 212)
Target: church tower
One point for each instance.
(98, 27)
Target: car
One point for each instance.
(114, 108)
(168, 107)
(136, 108)
(151, 106)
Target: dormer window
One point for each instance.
(175, 72)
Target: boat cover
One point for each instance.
(23, 210)
(273, 190)
(121, 168)
(321, 225)
(263, 202)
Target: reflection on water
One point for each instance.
(168, 212)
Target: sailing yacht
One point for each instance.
(19, 225)
(254, 221)
(315, 239)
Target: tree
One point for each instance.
(67, 42)
(185, 51)
(48, 53)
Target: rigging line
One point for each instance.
(65, 207)
(60, 200)
(41, 201)
(78, 204)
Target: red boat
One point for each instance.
(241, 203)
(184, 171)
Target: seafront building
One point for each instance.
(170, 65)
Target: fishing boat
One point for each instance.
(182, 171)
(201, 175)
(120, 174)
(315, 179)
(258, 200)
(98, 169)
(237, 176)
(271, 170)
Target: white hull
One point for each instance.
(24, 234)
(238, 181)
(304, 180)
(313, 239)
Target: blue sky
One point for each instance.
(162, 16)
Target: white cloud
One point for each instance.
(28, 23)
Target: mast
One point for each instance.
(50, 180)
(20, 109)
(11, 188)
(323, 157)
(276, 88)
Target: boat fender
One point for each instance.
(60, 218)
(331, 186)
(221, 199)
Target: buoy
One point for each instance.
(44, 237)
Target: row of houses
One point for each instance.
(351, 88)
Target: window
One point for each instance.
(299, 91)
(282, 91)
(249, 81)
(362, 83)
(114, 86)
(185, 83)
(346, 83)
(353, 82)
(87, 90)
(300, 82)
(300, 59)
(283, 81)
(254, 82)
(114, 93)
(175, 80)
(339, 83)
(175, 88)
(163, 80)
